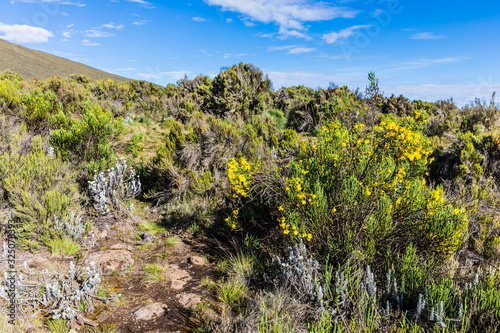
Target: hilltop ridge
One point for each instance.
(29, 63)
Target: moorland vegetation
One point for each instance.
(339, 210)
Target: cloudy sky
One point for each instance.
(422, 49)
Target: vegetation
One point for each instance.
(337, 211)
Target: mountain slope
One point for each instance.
(36, 64)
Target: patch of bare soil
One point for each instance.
(150, 305)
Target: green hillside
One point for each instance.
(31, 63)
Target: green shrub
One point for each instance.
(40, 189)
(355, 190)
(87, 138)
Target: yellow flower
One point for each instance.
(286, 231)
(295, 232)
(281, 208)
(334, 210)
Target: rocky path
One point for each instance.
(161, 303)
(157, 274)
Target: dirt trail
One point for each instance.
(157, 274)
(159, 304)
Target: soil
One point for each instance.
(146, 305)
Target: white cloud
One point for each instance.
(142, 2)
(67, 34)
(312, 79)
(65, 54)
(96, 33)
(148, 76)
(426, 62)
(86, 42)
(285, 34)
(229, 20)
(333, 37)
(176, 75)
(289, 15)
(292, 49)
(141, 22)
(299, 50)
(249, 24)
(70, 25)
(78, 4)
(146, 4)
(427, 36)
(462, 93)
(279, 48)
(128, 69)
(199, 19)
(24, 33)
(237, 55)
(111, 25)
(58, 2)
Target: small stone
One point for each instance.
(178, 277)
(189, 300)
(146, 237)
(150, 311)
(111, 260)
(197, 261)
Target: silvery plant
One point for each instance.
(109, 187)
(56, 295)
(301, 272)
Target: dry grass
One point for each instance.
(31, 64)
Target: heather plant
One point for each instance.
(41, 191)
(71, 92)
(240, 91)
(86, 138)
(37, 107)
(9, 92)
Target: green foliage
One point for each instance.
(57, 325)
(356, 190)
(88, 138)
(241, 90)
(38, 107)
(40, 189)
(65, 245)
(135, 145)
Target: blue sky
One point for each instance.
(422, 49)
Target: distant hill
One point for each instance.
(36, 64)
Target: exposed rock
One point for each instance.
(146, 237)
(111, 260)
(122, 246)
(99, 233)
(177, 276)
(189, 300)
(197, 260)
(150, 311)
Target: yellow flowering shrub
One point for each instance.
(356, 189)
(240, 174)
